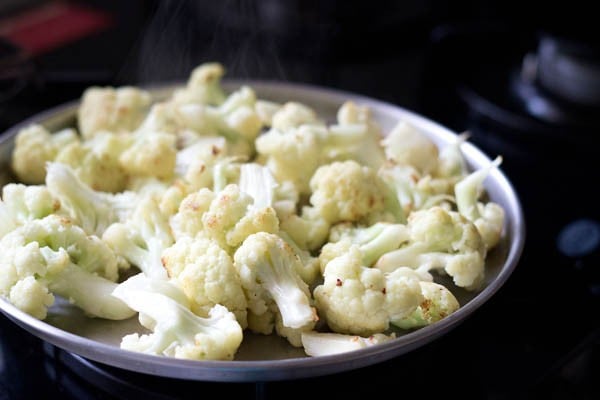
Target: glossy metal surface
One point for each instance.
(269, 358)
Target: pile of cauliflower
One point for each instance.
(211, 214)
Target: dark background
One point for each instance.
(522, 77)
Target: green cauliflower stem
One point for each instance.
(52, 256)
(267, 267)
(142, 238)
(176, 330)
(34, 147)
(374, 240)
(92, 210)
(441, 240)
(206, 274)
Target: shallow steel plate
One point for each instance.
(269, 358)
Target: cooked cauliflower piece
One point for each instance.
(176, 330)
(327, 343)
(111, 109)
(53, 256)
(345, 191)
(34, 147)
(205, 273)
(20, 204)
(406, 145)
(438, 302)
(359, 300)
(275, 291)
(441, 240)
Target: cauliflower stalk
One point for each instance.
(327, 343)
(275, 291)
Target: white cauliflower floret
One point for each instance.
(150, 154)
(176, 330)
(187, 222)
(111, 109)
(285, 151)
(231, 218)
(21, 203)
(52, 256)
(293, 115)
(356, 136)
(308, 230)
(142, 238)
(487, 217)
(92, 210)
(346, 191)
(438, 302)
(274, 289)
(34, 147)
(441, 240)
(31, 296)
(266, 110)
(96, 161)
(203, 86)
(358, 300)
(205, 273)
(406, 145)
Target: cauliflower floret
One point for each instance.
(150, 154)
(415, 191)
(203, 86)
(438, 302)
(52, 256)
(309, 230)
(346, 191)
(187, 222)
(274, 289)
(284, 151)
(442, 240)
(358, 300)
(32, 297)
(293, 115)
(142, 238)
(356, 136)
(111, 109)
(96, 161)
(406, 145)
(487, 217)
(206, 274)
(93, 211)
(34, 146)
(21, 203)
(176, 330)
(231, 218)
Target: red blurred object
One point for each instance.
(52, 25)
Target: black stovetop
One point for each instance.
(537, 338)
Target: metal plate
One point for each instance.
(269, 358)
